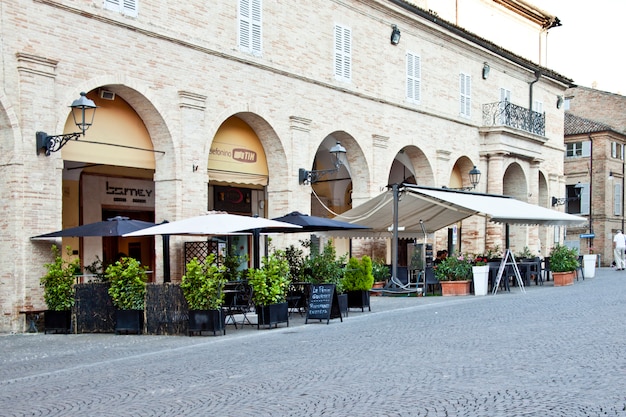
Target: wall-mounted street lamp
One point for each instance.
(338, 153)
(560, 201)
(395, 35)
(83, 112)
(474, 179)
(486, 70)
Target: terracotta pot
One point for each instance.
(455, 288)
(377, 284)
(563, 278)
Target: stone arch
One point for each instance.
(459, 176)
(515, 184)
(10, 134)
(411, 165)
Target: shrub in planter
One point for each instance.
(202, 287)
(357, 281)
(563, 264)
(58, 291)
(128, 291)
(270, 284)
(563, 259)
(203, 284)
(326, 268)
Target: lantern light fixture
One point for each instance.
(83, 112)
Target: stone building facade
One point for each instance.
(183, 88)
(595, 140)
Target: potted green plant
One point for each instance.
(128, 291)
(358, 280)
(563, 264)
(454, 274)
(58, 291)
(203, 286)
(327, 268)
(525, 254)
(270, 284)
(381, 274)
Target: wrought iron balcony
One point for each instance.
(504, 113)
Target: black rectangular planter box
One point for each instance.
(129, 321)
(57, 321)
(272, 314)
(206, 321)
(359, 299)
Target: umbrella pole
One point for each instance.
(166, 258)
(394, 243)
(256, 248)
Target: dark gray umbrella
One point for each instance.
(116, 226)
(314, 223)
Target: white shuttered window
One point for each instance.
(413, 77)
(126, 7)
(465, 85)
(250, 26)
(343, 53)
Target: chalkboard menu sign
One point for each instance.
(323, 303)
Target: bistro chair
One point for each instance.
(241, 303)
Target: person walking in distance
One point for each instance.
(619, 246)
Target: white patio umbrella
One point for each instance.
(213, 223)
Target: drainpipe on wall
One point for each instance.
(530, 100)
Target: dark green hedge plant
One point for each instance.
(128, 284)
(203, 284)
(58, 283)
(358, 274)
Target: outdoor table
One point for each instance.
(528, 268)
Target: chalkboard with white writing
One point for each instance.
(323, 303)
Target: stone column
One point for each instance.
(35, 183)
(495, 234)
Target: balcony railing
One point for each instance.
(504, 113)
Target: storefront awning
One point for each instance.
(435, 208)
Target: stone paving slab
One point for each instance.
(548, 352)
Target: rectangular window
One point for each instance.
(538, 106)
(566, 104)
(413, 77)
(617, 199)
(573, 149)
(577, 205)
(617, 150)
(465, 85)
(250, 33)
(126, 7)
(343, 53)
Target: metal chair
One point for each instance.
(241, 303)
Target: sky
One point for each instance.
(588, 47)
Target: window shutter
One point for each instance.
(112, 5)
(614, 149)
(129, 7)
(584, 199)
(465, 85)
(343, 53)
(413, 77)
(250, 26)
(586, 148)
(617, 199)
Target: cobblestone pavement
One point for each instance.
(549, 352)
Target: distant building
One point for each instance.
(595, 137)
